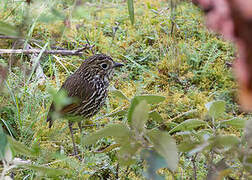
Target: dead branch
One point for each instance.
(64, 52)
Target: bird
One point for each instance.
(89, 85)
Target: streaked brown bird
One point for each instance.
(89, 85)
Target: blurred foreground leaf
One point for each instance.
(140, 116)
(150, 99)
(118, 131)
(188, 125)
(8, 30)
(47, 171)
(154, 162)
(19, 148)
(3, 143)
(235, 122)
(165, 146)
(215, 108)
(224, 141)
(187, 145)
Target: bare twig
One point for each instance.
(77, 52)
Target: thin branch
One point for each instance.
(77, 52)
(194, 166)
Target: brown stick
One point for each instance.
(77, 52)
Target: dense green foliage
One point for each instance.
(167, 51)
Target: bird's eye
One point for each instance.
(104, 65)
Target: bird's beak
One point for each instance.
(116, 64)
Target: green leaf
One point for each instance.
(187, 146)
(154, 162)
(140, 116)
(119, 94)
(150, 99)
(3, 143)
(7, 29)
(47, 171)
(215, 108)
(52, 16)
(127, 152)
(19, 148)
(61, 99)
(188, 125)
(165, 146)
(155, 116)
(234, 122)
(131, 10)
(118, 131)
(224, 141)
(133, 104)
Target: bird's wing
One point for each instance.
(76, 88)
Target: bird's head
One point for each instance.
(101, 65)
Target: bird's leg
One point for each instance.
(70, 124)
(80, 126)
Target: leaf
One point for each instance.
(50, 172)
(8, 154)
(224, 141)
(52, 16)
(123, 136)
(140, 116)
(7, 29)
(234, 122)
(19, 148)
(188, 125)
(215, 108)
(165, 146)
(219, 170)
(127, 153)
(119, 94)
(133, 104)
(151, 99)
(187, 146)
(131, 10)
(156, 116)
(118, 131)
(3, 143)
(154, 162)
(61, 99)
